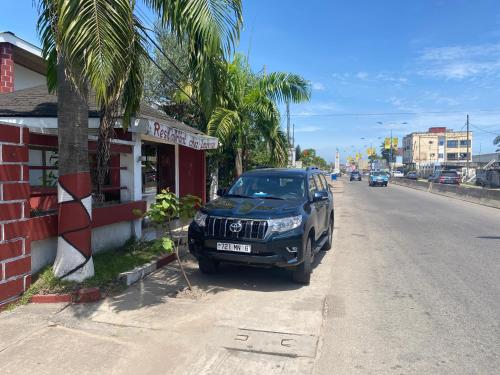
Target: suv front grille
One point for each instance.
(219, 227)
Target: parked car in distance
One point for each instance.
(445, 177)
(268, 217)
(397, 174)
(355, 176)
(378, 178)
(412, 175)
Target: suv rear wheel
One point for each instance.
(207, 265)
(302, 273)
(329, 242)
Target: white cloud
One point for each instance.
(460, 62)
(318, 86)
(307, 129)
(362, 76)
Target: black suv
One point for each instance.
(268, 217)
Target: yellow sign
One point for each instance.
(387, 143)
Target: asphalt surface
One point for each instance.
(415, 285)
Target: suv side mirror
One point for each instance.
(221, 192)
(320, 196)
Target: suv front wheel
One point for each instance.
(207, 265)
(302, 273)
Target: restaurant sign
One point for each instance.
(181, 137)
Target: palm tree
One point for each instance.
(250, 107)
(98, 46)
(496, 142)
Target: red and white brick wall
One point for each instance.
(15, 246)
(6, 68)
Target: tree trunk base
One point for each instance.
(74, 252)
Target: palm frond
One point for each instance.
(285, 87)
(223, 123)
(277, 143)
(96, 35)
(211, 25)
(47, 28)
(261, 106)
(133, 87)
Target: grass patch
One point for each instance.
(108, 265)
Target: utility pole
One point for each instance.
(288, 123)
(390, 154)
(467, 155)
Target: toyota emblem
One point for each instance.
(235, 227)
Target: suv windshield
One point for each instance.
(377, 173)
(449, 174)
(284, 187)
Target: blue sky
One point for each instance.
(368, 61)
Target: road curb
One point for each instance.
(83, 295)
(464, 194)
(138, 273)
(87, 295)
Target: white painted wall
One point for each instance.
(111, 236)
(43, 253)
(104, 238)
(25, 78)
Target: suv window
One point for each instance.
(319, 183)
(325, 183)
(262, 186)
(312, 187)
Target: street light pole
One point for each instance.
(390, 154)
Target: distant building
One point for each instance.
(438, 146)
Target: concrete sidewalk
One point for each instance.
(243, 320)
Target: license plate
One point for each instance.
(239, 248)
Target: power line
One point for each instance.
(361, 114)
(155, 44)
(173, 81)
(142, 14)
(483, 130)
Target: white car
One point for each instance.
(398, 174)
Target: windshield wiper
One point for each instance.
(238, 196)
(271, 197)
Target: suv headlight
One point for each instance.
(200, 218)
(285, 224)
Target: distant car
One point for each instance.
(411, 175)
(378, 179)
(355, 176)
(445, 177)
(398, 174)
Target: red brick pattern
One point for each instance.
(15, 191)
(15, 222)
(14, 153)
(6, 68)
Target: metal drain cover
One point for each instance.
(272, 343)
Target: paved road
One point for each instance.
(415, 285)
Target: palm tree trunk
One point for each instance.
(74, 254)
(106, 132)
(239, 161)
